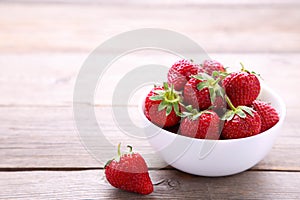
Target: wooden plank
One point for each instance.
(172, 184)
(46, 137)
(163, 3)
(82, 27)
(48, 79)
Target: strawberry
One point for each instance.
(180, 73)
(268, 114)
(129, 172)
(242, 87)
(219, 106)
(162, 106)
(201, 91)
(209, 66)
(240, 122)
(202, 125)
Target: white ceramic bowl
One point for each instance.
(214, 157)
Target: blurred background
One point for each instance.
(43, 43)
(80, 25)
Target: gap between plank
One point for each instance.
(29, 169)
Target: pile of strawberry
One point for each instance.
(205, 101)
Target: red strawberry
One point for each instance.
(219, 106)
(209, 66)
(240, 122)
(201, 91)
(162, 106)
(129, 172)
(241, 87)
(202, 125)
(180, 73)
(268, 114)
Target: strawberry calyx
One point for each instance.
(212, 84)
(219, 74)
(243, 69)
(241, 111)
(120, 154)
(193, 113)
(169, 98)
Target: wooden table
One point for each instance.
(42, 47)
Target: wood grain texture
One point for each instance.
(82, 27)
(42, 48)
(48, 79)
(91, 184)
(46, 137)
(162, 3)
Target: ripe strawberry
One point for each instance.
(180, 73)
(129, 172)
(241, 87)
(219, 106)
(201, 91)
(161, 106)
(240, 122)
(209, 66)
(268, 114)
(202, 125)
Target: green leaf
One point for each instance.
(206, 76)
(198, 76)
(212, 94)
(228, 115)
(176, 108)
(202, 85)
(207, 112)
(169, 109)
(160, 92)
(221, 92)
(186, 114)
(162, 106)
(240, 113)
(196, 116)
(247, 110)
(215, 73)
(223, 74)
(189, 108)
(166, 86)
(156, 98)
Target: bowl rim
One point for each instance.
(281, 111)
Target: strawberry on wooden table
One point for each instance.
(180, 73)
(162, 106)
(240, 122)
(128, 171)
(268, 114)
(201, 125)
(242, 87)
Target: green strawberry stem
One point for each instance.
(240, 111)
(119, 149)
(169, 98)
(130, 148)
(172, 89)
(243, 67)
(229, 103)
(215, 82)
(118, 157)
(245, 70)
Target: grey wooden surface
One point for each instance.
(44, 44)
